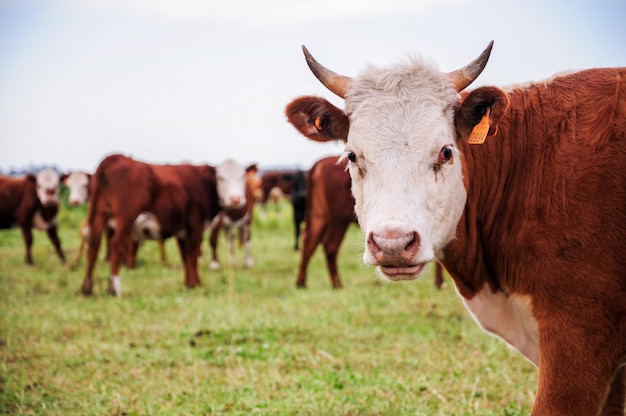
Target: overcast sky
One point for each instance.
(205, 80)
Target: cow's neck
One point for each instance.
(474, 258)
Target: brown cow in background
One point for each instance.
(328, 213)
(235, 190)
(173, 201)
(32, 201)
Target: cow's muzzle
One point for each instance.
(396, 253)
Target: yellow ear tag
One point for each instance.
(479, 133)
(318, 123)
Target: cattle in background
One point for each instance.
(253, 178)
(235, 190)
(298, 202)
(78, 184)
(276, 184)
(530, 224)
(31, 201)
(328, 213)
(172, 200)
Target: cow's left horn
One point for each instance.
(463, 77)
(336, 83)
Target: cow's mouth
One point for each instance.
(396, 273)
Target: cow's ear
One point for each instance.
(318, 119)
(63, 177)
(31, 177)
(475, 105)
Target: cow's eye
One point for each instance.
(352, 157)
(445, 155)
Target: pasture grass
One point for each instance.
(247, 341)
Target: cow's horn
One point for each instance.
(334, 82)
(463, 77)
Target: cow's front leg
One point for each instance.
(189, 251)
(54, 238)
(215, 234)
(118, 246)
(27, 234)
(576, 369)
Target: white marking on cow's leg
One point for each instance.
(116, 282)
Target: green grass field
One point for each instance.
(246, 342)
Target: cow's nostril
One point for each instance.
(373, 247)
(413, 245)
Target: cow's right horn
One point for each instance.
(463, 77)
(338, 84)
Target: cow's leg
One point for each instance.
(93, 245)
(131, 253)
(614, 405)
(27, 235)
(438, 275)
(332, 241)
(576, 368)
(215, 234)
(118, 247)
(162, 252)
(54, 238)
(189, 251)
(311, 237)
(296, 246)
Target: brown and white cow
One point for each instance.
(531, 225)
(171, 200)
(31, 201)
(235, 190)
(77, 183)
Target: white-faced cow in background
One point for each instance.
(531, 224)
(235, 190)
(78, 184)
(32, 201)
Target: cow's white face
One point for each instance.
(400, 126)
(48, 187)
(406, 170)
(78, 185)
(231, 184)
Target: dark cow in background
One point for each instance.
(235, 190)
(520, 193)
(276, 184)
(31, 201)
(298, 202)
(172, 200)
